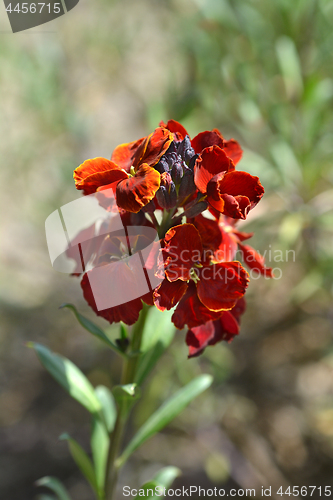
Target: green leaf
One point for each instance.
(54, 485)
(45, 497)
(109, 408)
(166, 413)
(100, 443)
(151, 485)
(157, 336)
(126, 396)
(290, 65)
(156, 327)
(128, 392)
(123, 331)
(69, 376)
(166, 476)
(163, 479)
(92, 328)
(81, 459)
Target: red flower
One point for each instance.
(179, 132)
(205, 139)
(197, 274)
(223, 240)
(224, 328)
(127, 313)
(228, 191)
(115, 260)
(133, 177)
(203, 290)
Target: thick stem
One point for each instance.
(128, 376)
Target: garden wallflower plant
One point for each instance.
(162, 253)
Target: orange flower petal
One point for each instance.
(199, 337)
(206, 139)
(221, 285)
(135, 192)
(227, 249)
(234, 193)
(176, 128)
(255, 261)
(209, 231)
(124, 154)
(183, 248)
(211, 162)
(128, 313)
(224, 328)
(95, 173)
(154, 147)
(191, 311)
(168, 294)
(233, 150)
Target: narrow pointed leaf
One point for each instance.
(147, 490)
(163, 479)
(100, 443)
(123, 331)
(156, 327)
(69, 376)
(109, 408)
(92, 328)
(157, 337)
(81, 459)
(166, 476)
(54, 485)
(166, 413)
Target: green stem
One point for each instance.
(165, 224)
(128, 376)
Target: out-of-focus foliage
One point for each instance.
(260, 71)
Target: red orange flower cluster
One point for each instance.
(190, 192)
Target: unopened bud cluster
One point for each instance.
(177, 177)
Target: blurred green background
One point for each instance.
(261, 71)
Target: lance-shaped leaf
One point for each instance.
(92, 328)
(109, 408)
(69, 376)
(157, 336)
(81, 459)
(166, 476)
(54, 485)
(166, 413)
(163, 479)
(100, 443)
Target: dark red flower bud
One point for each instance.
(162, 166)
(187, 186)
(172, 158)
(167, 194)
(197, 209)
(177, 172)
